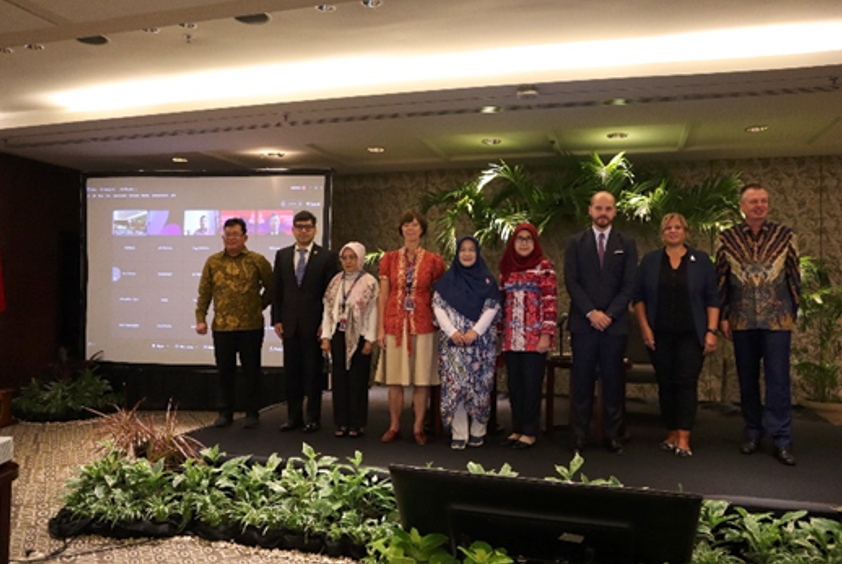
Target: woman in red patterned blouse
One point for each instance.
(406, 334)
(528, 282)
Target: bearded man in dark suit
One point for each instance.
(599, 270)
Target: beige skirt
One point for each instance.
(396, 367)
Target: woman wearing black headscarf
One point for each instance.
(466, 303)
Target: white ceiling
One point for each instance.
(373, 90)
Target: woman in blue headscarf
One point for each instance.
(466, 303)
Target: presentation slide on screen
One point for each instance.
(147, 240)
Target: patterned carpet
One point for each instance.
(47, 454)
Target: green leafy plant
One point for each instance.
(491, 205)
(64, 391)
(481, 552)
(411, 547)
(820, 315)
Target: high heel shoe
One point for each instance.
(683, 453)
(667, 446)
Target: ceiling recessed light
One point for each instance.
(93, 40)
(490, 110)
(151, 29)
(617, 135)
(253, 19)
(372, 3)
(376, 150)
(274, 154)
(491, 141)
(34, 47)
(7, 50)
(526, 92)
(756, 128)
(179, 160)
(326, 8)
(188, 25)
(615, 102)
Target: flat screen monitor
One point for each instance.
(148, 236)
(545, 521)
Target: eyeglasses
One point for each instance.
(304, 227)
(523, 239)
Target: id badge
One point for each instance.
(343, 323)
(409, 304)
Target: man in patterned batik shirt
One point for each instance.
(759, 285)
(239, 282)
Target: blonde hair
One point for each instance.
(675, 215)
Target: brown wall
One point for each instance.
(39, 225)
(806, 193)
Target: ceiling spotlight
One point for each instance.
(617, 135)
(151, 29)
(274, 154)
(490, 110)
(326, 8)
(179, 160)
(253, 19)
(93, 40)
(7, 50)
(188, 25)
(615, 102)
(526, 92)
(491, 141)
(34, 47)
(376, 149)
(372, 3)
(756, 128)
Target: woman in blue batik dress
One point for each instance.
(466, 303)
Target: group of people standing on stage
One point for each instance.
(445, 326)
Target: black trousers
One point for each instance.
(303, 377)
(597, 355)
(678, 359)
(226, 346)
(526, 375)
(350, 386)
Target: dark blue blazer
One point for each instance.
(701, 285)
(300, 308)
(608, 289)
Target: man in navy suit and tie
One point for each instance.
(302, 273)
(599, 271)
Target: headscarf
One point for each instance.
(466, 288)
(362, 296)
(512, 261)
(359, 250)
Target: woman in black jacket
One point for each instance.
(677, 306)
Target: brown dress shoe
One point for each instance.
(420, 438)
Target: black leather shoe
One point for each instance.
(311, 427)
(750, 447)
(222, 421)
(784, 456)
(289, 426)
(615, 446)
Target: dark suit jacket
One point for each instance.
(701, 285)
(608, 289)
(300, 309)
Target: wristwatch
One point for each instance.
(712, 331)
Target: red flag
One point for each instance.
(2, 293)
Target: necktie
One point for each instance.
(301, 266)
(600, 249)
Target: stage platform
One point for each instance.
(717, 469)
